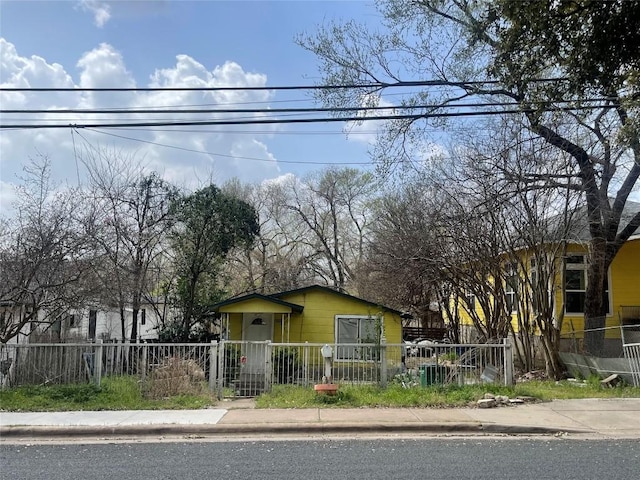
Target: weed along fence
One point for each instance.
(161, 370)
(246, 369)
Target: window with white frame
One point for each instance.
(470, 300)
(575, 285)
(511, 287)
(353, 330)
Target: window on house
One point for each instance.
(56, 327)
(354, 330)
(534, 271)
(575, 285)
(470, 300)
(72, 320)
(511, 287)
(143, 317)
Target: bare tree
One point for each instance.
(496, 57)
(278, 259)
(333, 207)
(402, 267)
(134, 220)
(44, 255)
(531, 225)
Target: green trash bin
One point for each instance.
(431, 373)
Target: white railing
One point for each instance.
(631, 349)
(234, 368)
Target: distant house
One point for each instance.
(105, 324)
(86, 325)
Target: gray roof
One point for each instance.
(578, 229)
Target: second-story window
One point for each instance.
(511, 287)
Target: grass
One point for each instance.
(116, 393)
(434, 396)
(124, 393)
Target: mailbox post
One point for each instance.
(327, 386)
(327, 354)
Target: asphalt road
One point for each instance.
(472, 458)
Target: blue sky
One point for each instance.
(171, 43)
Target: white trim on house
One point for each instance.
(345, 353)
(582, 267)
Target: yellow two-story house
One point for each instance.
(566, 287)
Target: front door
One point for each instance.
(256, 328)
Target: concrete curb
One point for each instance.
(276, 429)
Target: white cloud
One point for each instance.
(197, 152)
(367, 131)
(31, 72)
(101, 11)
(246, 167)
(104, 67)
(285, 179)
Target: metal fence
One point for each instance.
(621, 356)
(160, 369)
(631, 349)
(246, 369)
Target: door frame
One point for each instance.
(253, 353)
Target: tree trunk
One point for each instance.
(123, 325)
(550, 339)
(134, 324)
(594, 307)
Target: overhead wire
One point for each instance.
(156, 110)
(417, 83)
(214, 154)
(172, 125)
(267, 121)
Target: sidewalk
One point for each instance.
(609, 418)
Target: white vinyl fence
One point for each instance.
(246, 369)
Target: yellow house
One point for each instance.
(314, 314)
(299, 323)
(622, 296)
(568, 291)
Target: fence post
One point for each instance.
(383, 362)
(97, 366)
(222, 367)
(305, 364)
(213, 366)
(508, 362)
(145, 354)
(268, 371)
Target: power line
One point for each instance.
(160, 110)
(294, 120)
(418, 83)
(191, 150)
